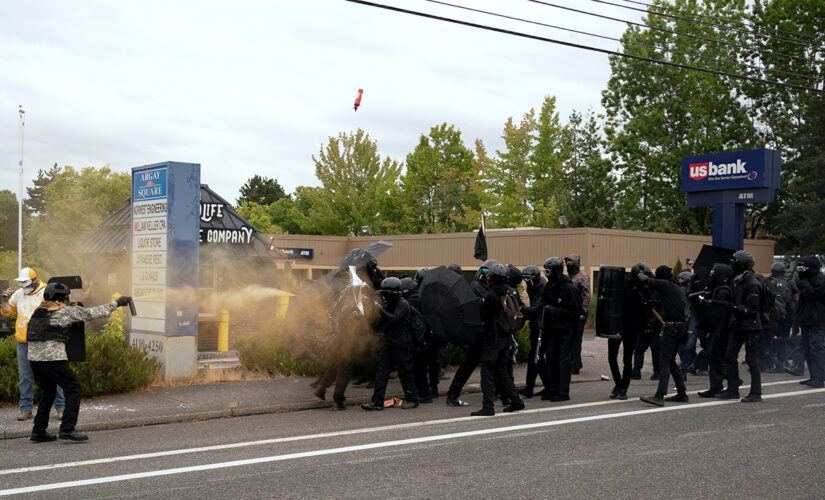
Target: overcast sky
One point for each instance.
(256, 87)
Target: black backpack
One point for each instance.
(781, 288)
(767, 299)
(418, 327)
(510, 320)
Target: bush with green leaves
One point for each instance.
(266, 352)
(112, 365)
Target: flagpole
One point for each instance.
(20, 195)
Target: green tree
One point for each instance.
(589, 184)
(439, 189)
(35, 202)
(258, 215)
(547, 186)
(355, 185)
(8, 220)
(261, 190)
(658, 114)
(505, 179)
(74, 203)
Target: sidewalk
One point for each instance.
(230, 399)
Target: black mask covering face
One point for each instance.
(572, 269)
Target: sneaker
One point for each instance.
(73, 436)
(795, 373)
(484, 412)
(24, 415)
(614, 394)
(42, 437)
(556, 399)
(635, 376)
(804, 382)
(60, 414)
(752, 398)
(370, 385)
(456, 402)
(622, 395)
(409, 405)
(710, 393)
(372, 406)
(443, 376)
(729, 395)
(425, 400)
(814, 383)
(654, 400)
(679, 398)
(655, 376)
(320, 394)
(338, 405)
(514, 407)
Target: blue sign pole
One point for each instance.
(729, 225)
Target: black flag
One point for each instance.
(481, 243)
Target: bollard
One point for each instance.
(223, 331)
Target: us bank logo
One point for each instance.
(722, 171)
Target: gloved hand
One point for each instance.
(7, 293)
(123, 300)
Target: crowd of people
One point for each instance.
(669, 315)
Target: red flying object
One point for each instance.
(358, 100)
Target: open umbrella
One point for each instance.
(449, 306)
(356, 257)
(708, 256)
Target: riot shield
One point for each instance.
(76, 346)
(610, 302)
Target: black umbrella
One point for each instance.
(358, 257)
(708, 256)
(449, 306)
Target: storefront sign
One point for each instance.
(302, 253)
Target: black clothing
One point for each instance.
(39, 328)
(337, 372)
(496, 343)
(718, 312)
(750, 338)
(673, 299)
(813, 346)
(532, 314)
(746, 291)
(48, 375)
(397, 351)
(811, 309)
(472, 357)
(672, 337)
(563, 307)
(639, 301)
(628, 341)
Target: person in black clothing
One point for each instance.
(811, 317)
(635, 320)
(397, 350)
(715, 311)
(536, 363)
(649, 336)
(673, 333)
(746, 328)
(472, 353)
(562, 309)
(427, 360)
(495, 357)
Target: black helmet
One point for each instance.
(720, 274)
(488, 264)
(531, 275)
(57, 292)
(554, 269)
(778, 269)
(455, 268)
(391, 284)
(641, 268)
(742, 261)
(498, 273)
(407, 286)
(419, 275)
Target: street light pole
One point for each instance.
(20, 195)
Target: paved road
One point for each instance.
(588, 447)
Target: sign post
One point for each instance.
(728, 181)
(164, 263)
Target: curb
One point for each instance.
(229, 413)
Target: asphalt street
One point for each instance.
(588, 447)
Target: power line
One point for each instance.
(697, 21)
(580, 46)
(798, 36)
(605, 37)
(664, 30)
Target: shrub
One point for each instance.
(265, 352)
(111, 365)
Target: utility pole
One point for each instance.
(20, 195)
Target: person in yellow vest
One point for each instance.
(22, 303)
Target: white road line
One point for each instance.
(290, 439)
(373, 446)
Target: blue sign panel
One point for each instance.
(149, 184)
(739, 170)
(303, 253)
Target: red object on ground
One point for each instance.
(358, 100)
